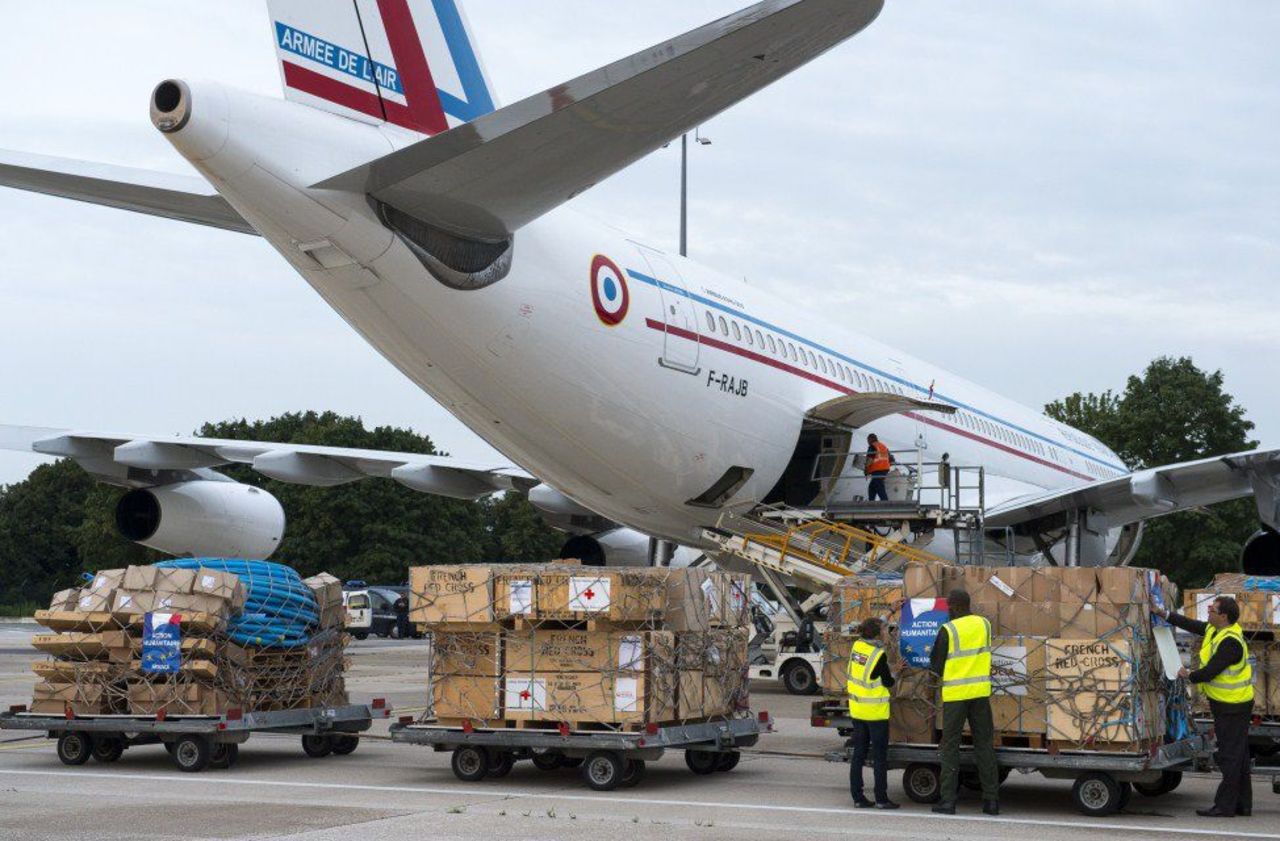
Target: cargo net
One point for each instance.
(1074, 660)
(562, 645)
(1259, 599)
(192, 637)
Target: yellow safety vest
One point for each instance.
(1235, 684)
(868, 698)
(967, 673)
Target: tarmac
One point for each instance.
(783, 788)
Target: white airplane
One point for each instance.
(636, 393)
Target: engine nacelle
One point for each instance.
(1261, 555)
(203, 519)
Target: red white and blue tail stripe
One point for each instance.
(409, 63)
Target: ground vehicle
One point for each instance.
(608, 759)
(781, 650)
(371, 611)
(199, 742)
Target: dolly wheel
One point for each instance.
(224, 756)
(1169, 781)
(1097, 794)
(470, 763)
(500, 765)
(75, 748)
(192, 753)
(345, 745)
(633, 775)
(702, 762)
(603, 770)
(548, 761)
(108, 748)
(728, 760)
(799, 679)
(922, 782)
(317, 746)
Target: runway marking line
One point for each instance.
(498, 795)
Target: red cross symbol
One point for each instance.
(590, 594)
(524, 696)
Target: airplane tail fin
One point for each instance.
(409, 63)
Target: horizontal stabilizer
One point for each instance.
(185, 198)
(503, 170)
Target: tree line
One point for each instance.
(59, 522)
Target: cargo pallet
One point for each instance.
(197, 742)
(1104, 780)
(608, 760)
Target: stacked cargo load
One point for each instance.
(1074, 660)
(528, 646)
(1259, 600)
(192, 637)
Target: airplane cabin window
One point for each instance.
(724, 328)
(751, 341)
(792, 350)
(822, 362)
(737, 332)
(773, 348)
(711, 322)
(760, 338)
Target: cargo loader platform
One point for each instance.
(197, 742)
(608, 760)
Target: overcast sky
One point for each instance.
(1042, 196)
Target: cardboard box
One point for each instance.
(836, 648)
(1255, 609)
(230, 588)
(65, 600)
(450, 594)
(1035, 619)
(178, 698)
(326, 588)
(854, 601)
(83, 699)
(465, 654)
(129, 602)
(1121, 585)
(1018, 667)
(587, 651)
(1089, 718)
(914, 701)
(163, 602)
(474, 698)
(141, 578)
(106, 580)
(95, 601)
(1019, 714)
(1077, 585)
(613, 595)
(1076, 621)
(586, 697)
(687, 605)
(1073, 664)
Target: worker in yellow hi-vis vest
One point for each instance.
(1226, 678)
(961, 656)
(868, 683)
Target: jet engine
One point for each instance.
(1261, 555)
(203, 519)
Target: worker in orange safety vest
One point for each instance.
(879, 460)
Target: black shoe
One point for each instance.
(991, 807)
(862, 803)
(1213, 812)
(944, 809)
(887, 804)
(1244, 811)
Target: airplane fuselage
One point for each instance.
(629, 379)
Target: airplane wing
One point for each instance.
(491, 176)
(1159, 490)
(139, 461)
(185, 198)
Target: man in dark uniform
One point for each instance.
(1225, 677)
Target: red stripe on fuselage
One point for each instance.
(425, 108)
(654, 324)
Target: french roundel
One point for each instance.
(609, 291)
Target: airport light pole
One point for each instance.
(684, 186)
